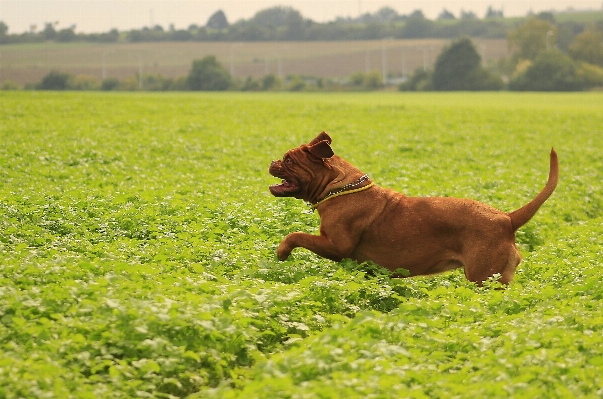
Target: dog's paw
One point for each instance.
(282, 253)
(282, 256)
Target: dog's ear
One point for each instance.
(321, 150)
(321, 137)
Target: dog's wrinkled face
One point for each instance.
(299, 168)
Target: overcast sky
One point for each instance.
(102, 15)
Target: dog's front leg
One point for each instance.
(321, 245)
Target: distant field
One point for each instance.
(29, 63)
(138, 237)
(579, 16)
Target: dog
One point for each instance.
(362, 221)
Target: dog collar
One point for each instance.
(347, 189)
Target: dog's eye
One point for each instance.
(288, 160)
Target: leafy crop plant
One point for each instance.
(137, 241)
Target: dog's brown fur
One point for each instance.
(423, 235)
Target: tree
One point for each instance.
(66, 35)
(446, 15)
(276, 16)
(417, 14)
(386, 14)
(3, 28)
(454, 66)
(49, 32)
(492, 13)
(458, 67)
(588, 47)
(295, 25)
(550, 71)
(217, 21)
(417, 26)
(534, 36)
(209, 75)
(546, 16)
(468, 15)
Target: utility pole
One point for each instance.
(424, 59)
(403, 64)
(104, 73)
(384, 58)
(232, 65)
(280, 66)
(140, 78)
(549, 35)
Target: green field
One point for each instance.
(137, 240)
(29, 63)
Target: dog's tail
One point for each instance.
(526, 212)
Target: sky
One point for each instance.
(102, 15)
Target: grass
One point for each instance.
(137, 240)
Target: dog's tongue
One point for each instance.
(284, 188)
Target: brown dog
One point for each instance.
(362, 221)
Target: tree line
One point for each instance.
(288, 24)
(537, 63)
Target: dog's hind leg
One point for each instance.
(488, 261)
(509, 270)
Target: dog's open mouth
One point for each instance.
(286, 188)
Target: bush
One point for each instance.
(356, 79)
(9, 85)
(420, 80)
(367, 81)
(157, 82)
(110, 84)
(485, 80)
(180, 84)
(550, 71)
(131, 83)
(372, 81)
(271, 82)
(251, 84)
(209, 75)
(55, 80)
(84, 82)
(296, 83)
(590, 75)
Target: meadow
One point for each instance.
(138, 238)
